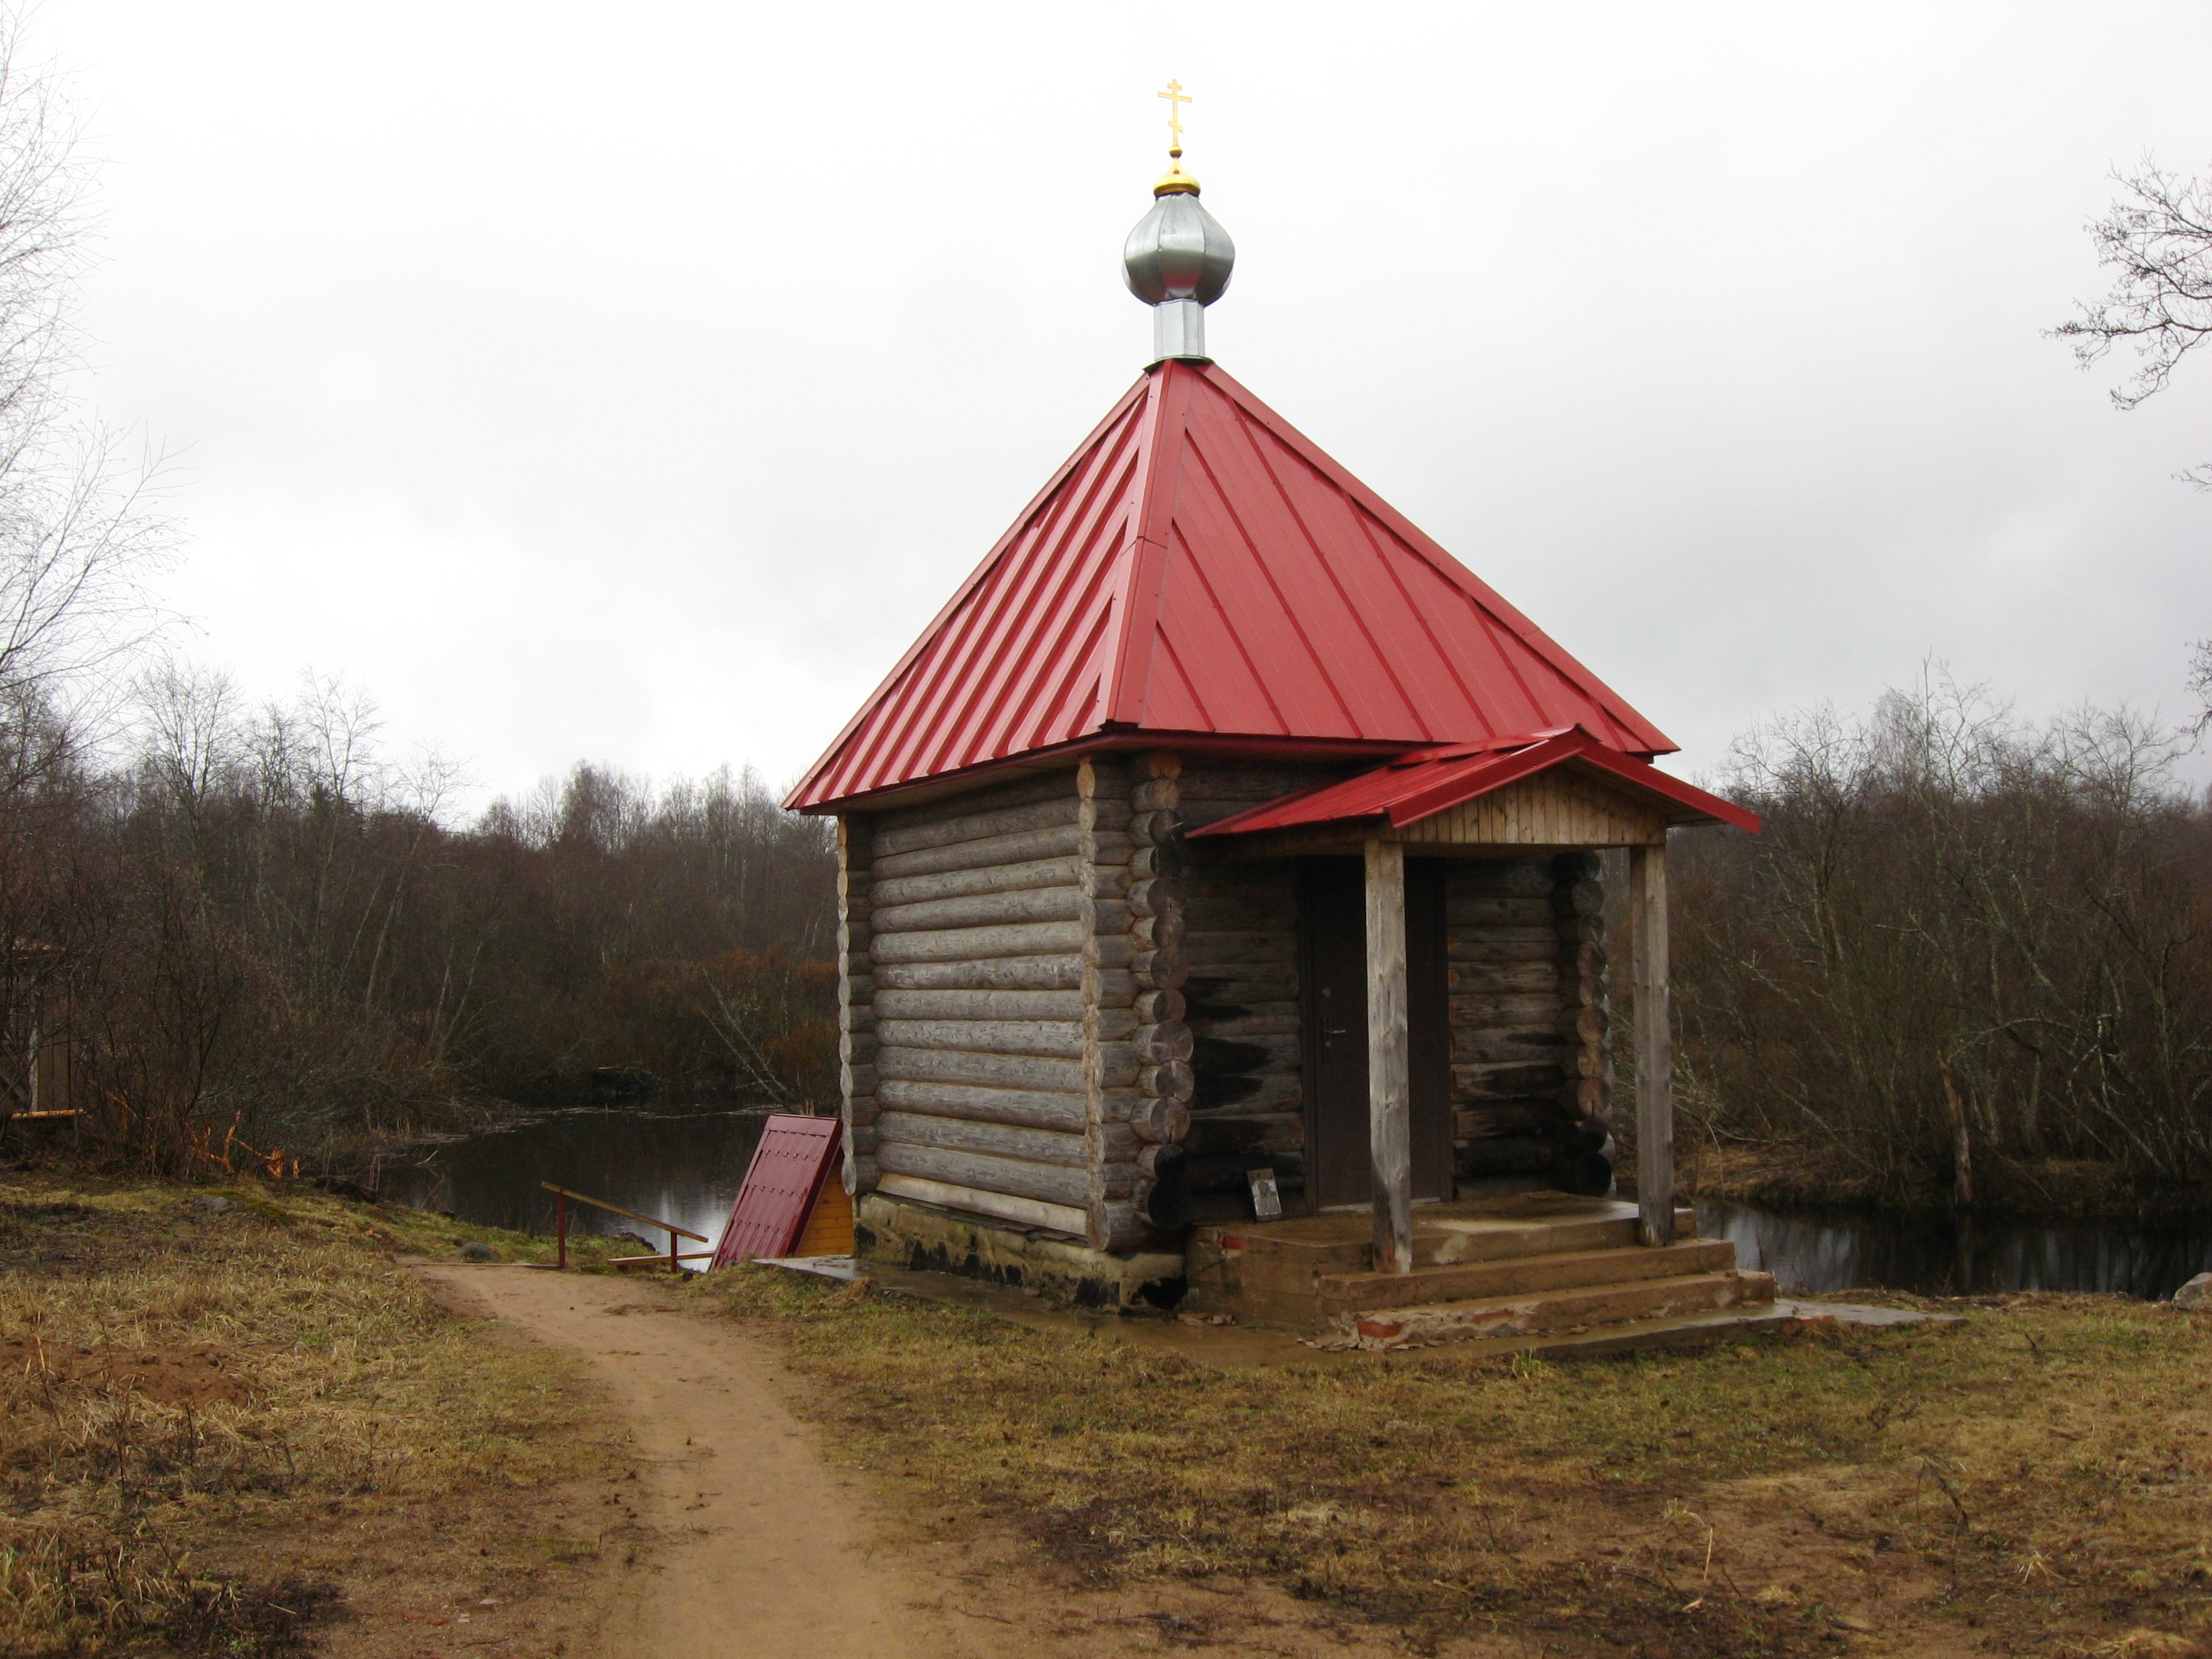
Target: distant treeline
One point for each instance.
(1963, 950)
(252, 918)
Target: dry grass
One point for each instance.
(216, 1420)
(2035, 1481)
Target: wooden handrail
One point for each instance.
(600, 1203)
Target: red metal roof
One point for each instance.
(1198, 568)
(1427, 781)
(796, 1157)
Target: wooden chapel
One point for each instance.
(1226, 851)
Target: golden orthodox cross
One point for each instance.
(1176, 98)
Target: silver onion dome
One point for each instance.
(1177, 261)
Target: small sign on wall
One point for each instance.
(1266, 1201)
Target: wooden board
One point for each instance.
(829, 1229)
(791, 1167)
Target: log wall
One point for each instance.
(1240, 951)
(1525, 948)
(1006, 1052)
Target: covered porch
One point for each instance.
(1375, 850)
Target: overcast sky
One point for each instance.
(633, 383)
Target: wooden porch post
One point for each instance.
(1390, 1069)
(1655, 1044)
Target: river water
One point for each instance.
(686, 1165)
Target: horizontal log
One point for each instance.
(1475, 1011)
(1507, 1080)
(984, 1071)
(1115, 952)
(1494, 876)
(1257, 1056)
(1246, 947)
(1028, 1109)
(1156, 827)
(1525, 1047)
(1111, 952)
(1038, 973)
(980, 1005)
(1152, 1005)
(979, 910)
(1172, 1081)
(1221, 1135)
(1157, 970)
(1159, 1120)
(1274, 919)
(959, 1135)
(1013, 1177)
(1522, 1119)
(1586, 1025)
(1115, 1142)
(1156, 792)
(1242, 985)
(1242, 1095)
(1160, 1043)
(1472, 941)
(1245, 1026)
(1591, 1098)
(976, 826)
(1479, 911)
(1163, 932)
(987, 851)
(861, 1174)
(1474, 948)
(1254, 780)
(986, 794)
(1579, 899)
(1058, 1039)
(1029, 938)
(1506, 1155)
(1154, 898)
(857, 988)
(1505, 978)
(1068, 873)
(1118, 1225)
(858, 1078)
(1073, 1220)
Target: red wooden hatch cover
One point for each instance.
(795, 1156)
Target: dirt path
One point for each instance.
(751, 1538)
(753, 1545)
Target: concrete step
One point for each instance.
(1519, 1275)
(1585, 1307)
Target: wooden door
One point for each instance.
(1332, 982)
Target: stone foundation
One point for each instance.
(901, 1233)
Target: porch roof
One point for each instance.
(1423, 782)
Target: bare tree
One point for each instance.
(2157, 238)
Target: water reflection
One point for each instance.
(1944, 1256)
(684, 1167)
